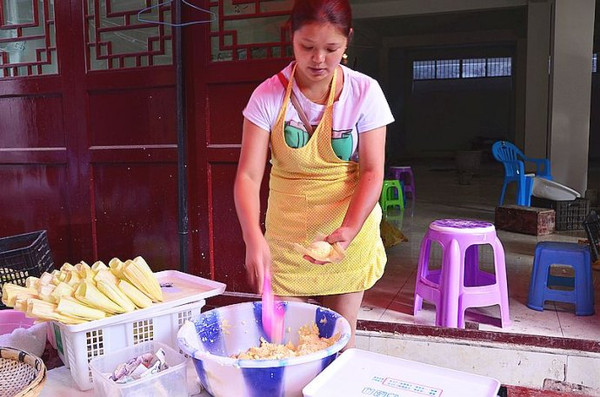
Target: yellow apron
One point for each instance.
(310, 190)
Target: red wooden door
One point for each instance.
(88, 145)
(88, 140)
(247, 44)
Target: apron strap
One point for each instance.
(296, 105)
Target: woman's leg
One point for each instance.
(348, 306)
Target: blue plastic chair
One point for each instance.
(514, 166)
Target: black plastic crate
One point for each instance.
(570, 214)
(592, 229)
(22, 256)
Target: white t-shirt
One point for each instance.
(361, 107)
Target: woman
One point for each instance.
(327, 152)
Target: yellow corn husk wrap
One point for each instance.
(21, 304)
(80, 293)
(58, 277)
(139, 274)
(84, 271)
(32, 282)
(72, 278)
(87, 293)
(99, 265)
(46, 311)
(69, 306)
(45, 278)
(62, 289)
(11, 292)
(116, 267)
(107, 284)
(45, 292)
(136, 296)
(67, 267)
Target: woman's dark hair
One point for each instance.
(335, 12)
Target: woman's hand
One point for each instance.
(342, 236)
(258, 261)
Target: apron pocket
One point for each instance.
(286, 217)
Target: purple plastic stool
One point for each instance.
(459, 283)
(405, 175)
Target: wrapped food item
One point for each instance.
(321, 250)
(140, 367)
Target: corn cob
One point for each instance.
(69, 306)
(139, 273)
(109, 288)
(136, 296)
(10, 293)
(88, 294)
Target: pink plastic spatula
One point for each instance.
(272, 312)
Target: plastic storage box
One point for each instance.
(171, 382)
(357, 373)
(570, 214)
(22, 256)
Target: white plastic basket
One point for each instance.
(77, 348)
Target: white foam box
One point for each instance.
(363, 373)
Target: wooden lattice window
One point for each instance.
(116, 39)
(250, 29)
(27, 38)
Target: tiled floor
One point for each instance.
(439, 195)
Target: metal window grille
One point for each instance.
(447, 69)
(497, 67)
(424, 70)
(472, 68)
(465, 68)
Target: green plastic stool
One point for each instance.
(391, 194)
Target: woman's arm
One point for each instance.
(371, 154)
(246, 192)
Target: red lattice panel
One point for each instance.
(24, 37)
(103, 22)
(230, 48)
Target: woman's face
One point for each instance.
(318, 49)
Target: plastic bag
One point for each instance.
(390, 234)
